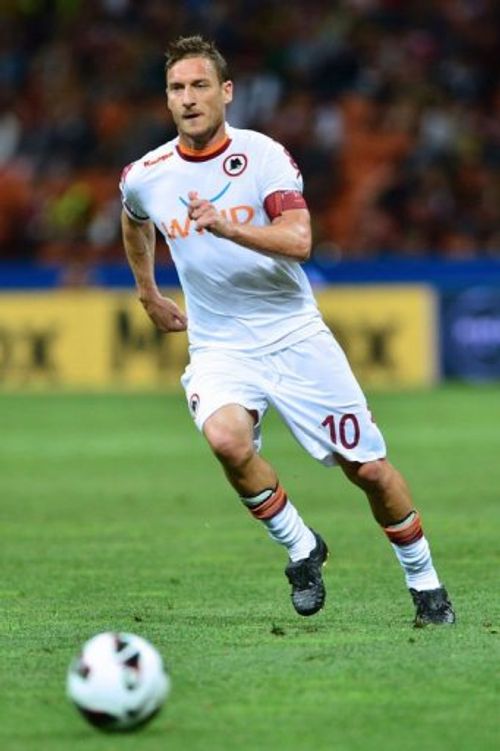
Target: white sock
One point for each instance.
(284, 525)
(416, 562)
(289, 530)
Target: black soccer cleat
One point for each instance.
(433, 606)
(308, 591)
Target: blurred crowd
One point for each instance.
(390, 107)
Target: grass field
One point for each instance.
(115, 516)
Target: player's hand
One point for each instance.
(206, 216)
(164, 312)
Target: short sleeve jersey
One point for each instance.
(236, 298)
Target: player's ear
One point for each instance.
(227, 90)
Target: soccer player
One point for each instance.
(229, 204)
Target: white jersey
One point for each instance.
(236, 299)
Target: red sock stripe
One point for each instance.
(406, 535)
(272, 506)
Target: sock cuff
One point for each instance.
(255, 500)
(267, 503)
(407, 531)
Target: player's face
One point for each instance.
(197, 100)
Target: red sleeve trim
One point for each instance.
(283, 200)
(125, 172)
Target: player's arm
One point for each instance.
(289, 233)
(139, 241)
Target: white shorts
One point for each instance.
(311, 386)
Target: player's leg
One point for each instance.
(393, 508)
(322, 403)
(229, 432)
(385, 488)
(225, 408)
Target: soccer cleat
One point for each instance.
(433, 606)
(308, 591)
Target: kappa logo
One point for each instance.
(162, 158)
(235, 164)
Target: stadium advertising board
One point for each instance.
(84, 339)
(97, 339)
(388, 332)
(470, 333)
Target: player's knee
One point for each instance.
(369, 476)
(372, 473)
(232, 448)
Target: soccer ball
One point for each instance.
(118, 681)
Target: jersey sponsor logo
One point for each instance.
(180, 228)
(210, 200)
(235, 164)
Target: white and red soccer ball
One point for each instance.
(118, 681)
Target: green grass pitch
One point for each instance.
(115, 516)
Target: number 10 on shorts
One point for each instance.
(344, 430)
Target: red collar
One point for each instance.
(202, 155)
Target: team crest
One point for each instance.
(235, 164)
(194, 402)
